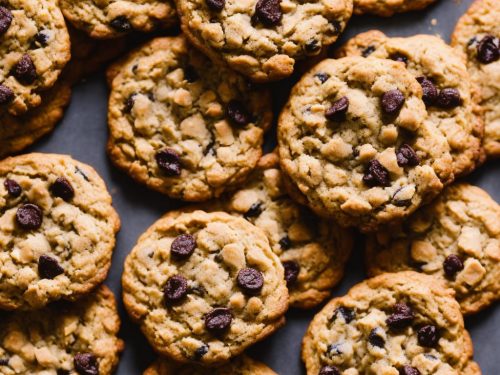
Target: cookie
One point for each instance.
(387, 8)
(476, 36)
(34, 48)
(204, 286)
(262, 39)
(183, 126)
(446, 85)
(456, 239)
(354, 140)
(241, 365)
(63, 338)
(115, 18)
(396, 323)
(57, 230)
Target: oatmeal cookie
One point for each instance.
(387, 8)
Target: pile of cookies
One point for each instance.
(371, 139)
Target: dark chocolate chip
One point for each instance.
(121, 24)
(129, 103)
(429, 91)
(4, 361)
(169, 162)
(448, 98)
(183, 246)
(488, 49)
(62, 188)
(6, 95)
(175, 289)
(268, 12)
(200, 351)
(323, 77)
(190, 74)
(13, 188)
(401, 318)
(48, 267)
(29, 216)
(250, 281)
(428, 336)
(334, 349)
(254, 210)
(338, 109)
(86, 364)
(408, 370)
(347, 313)
(40, 40)
(237, 113)
(5, 19)
(392, 101)
(216, 5)
(292, 270)
(312, 46)
(24, 70)
(329, 370)
(218, 320)
(375, 339)
(406, 156)
(368, 51)
(337, 27)
(376, 174)
(285, 242)
(399, 57)
(452, 264)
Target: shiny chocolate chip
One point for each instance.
(169, 162)
(268, 12)
(401, 318)
(250, 281)
(175, 289)
(13, 188)
(488, 49)
(406, 156)
(429, 91)
(48, 267)
(428, 336)
(392, 101)
(338, 109)
(448, 98)
(86, 364)
(452, 265)
(29, 216)
(62, 188)
(218, 320)
(183, 246)
(376, 174)
(24, 70)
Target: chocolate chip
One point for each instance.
(448, 98)
(401, 318)
(6, 95)
(254, 210)
(129, 103)
(429, 91)
(329, 370)
(347, 313)
(250, 281)
(268, 12)
(4, 361)
(375, 339)
(24, 70)
(169, 161)
(237, 113)
(62, 188)
(29, 216)
(408, 370)
(285, 243)
(452, 264)
(338, 109)
(392, 101)
(376, 174)
(312, 46)
(86, 364)
(121, 24)
(337, 27)
(40, 40)
(428, 336)
(183, 246)
(175, 289)
(399, 57)
(218, 320)
(216, 5)
(13, 188)
(406, 156)
(323, 77)
(488, 49)
(292, 270)
(200, 351)
(190, 74)
(5, 19)
(368, 51)
(48, 267)
(334, 349)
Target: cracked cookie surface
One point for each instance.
(387, 8)
(263, 38)
(204, 286)
(401, 323)
(477, 37)
(182, 125)
(57, 230)
(63, 338)
(456, 239)
(444, 77)
(354, 142)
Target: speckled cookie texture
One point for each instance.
(115, 18)
(446, 85)
(241, 365)
(57, 230)
(204, 286)
(313, 250)
(354, 142)
(387, 8)
(397, 323)
(182, 125)
(64, 338)
(263, 38)
(34, 48)
(456, 238)
(476, 36)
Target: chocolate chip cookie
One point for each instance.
(354, 141)
(204, 286)
(63, 338)
(182, 125)
(57, 230)
(263, 38)
(34, 48)
(456, 238)
(241, 365)
(115, 18)
(445, 83)
(396, 323)
(476, 36)
(387, 8)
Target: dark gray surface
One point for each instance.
(83, 135)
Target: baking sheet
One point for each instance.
(83, 134)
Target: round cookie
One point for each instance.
(63, 338)
(34, 48)
(204, 286)
(182, 125)
(115, 18)
(354, 141)
(57, 230)
(477, 37)
(405, 323)
(241, 365)
(456, 239)
(387, 8)
(446, 84)
(263, 38)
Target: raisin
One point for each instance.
(268, 12)
(376, 174)
(452, 264)
(169, 161)
(428, 336)
(25, 71)
(406, 156)
(402, 317)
